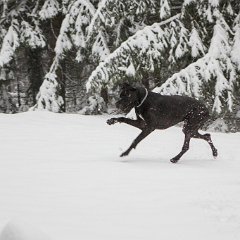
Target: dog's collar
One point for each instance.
(143, 98)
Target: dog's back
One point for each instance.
(166, 111)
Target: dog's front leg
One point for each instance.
(112, 121)
(139, 123)
(145, 132)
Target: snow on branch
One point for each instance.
(72, 32)
(48, 97)
(100, 49)
(10, 43)
(63, 43)
(215, 65)
(165, 10)
(140, 50)
(32, 35)
(214, 3)
(197, 47)
(49, 9)
(112, 16)
(109, 12)
(4, 8)
(236, 43)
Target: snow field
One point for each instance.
(61, 176)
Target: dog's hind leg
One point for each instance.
(206, 137)
(145, 132)
(184, 148)
(194, 122)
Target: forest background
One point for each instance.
(72, 55)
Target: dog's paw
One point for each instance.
(112, 121)
(124, 154)
(174, 160)
(215, 153)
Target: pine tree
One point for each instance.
(94, 33)
(213, 76)
(72, 34)
(19, 29)
(195, 48)
(236, 42)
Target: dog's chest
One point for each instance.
(139, 114)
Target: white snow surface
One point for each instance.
(62, 174)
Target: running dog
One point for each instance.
(156, 111)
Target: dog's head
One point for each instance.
(128, 98)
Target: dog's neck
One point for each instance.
(143, 92)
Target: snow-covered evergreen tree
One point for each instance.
(194, 51)
(120, 19)
(213, 76)
(236, 43)
(72, 35)
(49, 97)
(214, 69)
(139, 53)
(19, 28)
(94, 33)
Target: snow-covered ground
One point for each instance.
(61, 178)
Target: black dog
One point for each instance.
(155, 111)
